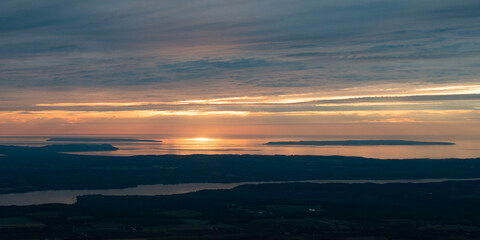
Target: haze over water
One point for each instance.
(184, 145)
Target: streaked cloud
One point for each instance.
(79, 116)
(258, 62)
(446, 93)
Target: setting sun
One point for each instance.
(201, 139)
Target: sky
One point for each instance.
(369, 68)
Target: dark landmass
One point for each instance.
(361, 143)
(427, 211)
(74, 139)
(432, 211)
(52, 149)
(29, 169)
(79, 147)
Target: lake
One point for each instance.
(70, 196)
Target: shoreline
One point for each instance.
(70, 197)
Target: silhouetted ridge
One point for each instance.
(360, 143)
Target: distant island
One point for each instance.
(18, 150)
(360, 143)
(79, 147)
(81, 139)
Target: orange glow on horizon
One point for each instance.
(82, 116)
(288, 98)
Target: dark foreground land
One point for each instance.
(447, 210)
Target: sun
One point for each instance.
(201, 139)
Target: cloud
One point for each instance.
(162, 52)
(466, 10)
(416, 98)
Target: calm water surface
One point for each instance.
(255, 145)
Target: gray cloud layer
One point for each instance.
(267, 44)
